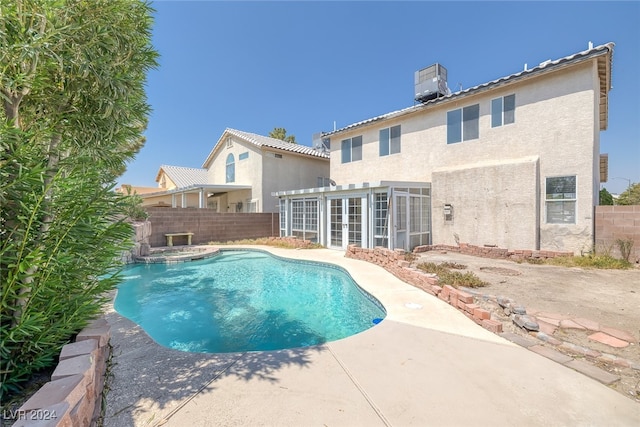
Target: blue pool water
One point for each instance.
(245, 301)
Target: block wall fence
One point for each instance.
(618, 222)
(209, 226)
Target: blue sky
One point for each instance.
(304, 66)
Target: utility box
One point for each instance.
(431, 83)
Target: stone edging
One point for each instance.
(73, 396)
(493, 251)
(396, 263)
(536, 324)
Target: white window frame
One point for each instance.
(252, 206)
(304, 218)
(561, 200)
(465, 133)
(387, 143)
(500, 116)
(230, 170)
(348, 144)
(283, 205)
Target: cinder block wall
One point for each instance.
(618, 222)
(209, 226)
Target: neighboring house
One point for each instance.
(513, 163)
(239, 175)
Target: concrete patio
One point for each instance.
(425, 364)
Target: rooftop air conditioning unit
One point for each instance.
(321, 144)
(431, 83)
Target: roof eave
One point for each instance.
(562, 63)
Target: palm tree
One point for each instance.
(281, 134)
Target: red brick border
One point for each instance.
(73, 396)
(493, 252)
(395, 263)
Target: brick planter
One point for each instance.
(395, 263)
(493, 252)
(73, 396)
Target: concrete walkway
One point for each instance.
(425, 364)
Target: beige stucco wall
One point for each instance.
(192, 201)
(168, 184)
(247, 171)
(264, 173)
(291, 172)
(492, 204)
(555, 120)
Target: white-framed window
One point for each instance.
(304, 219)
(463, 124)
(283, 217)
(390, 140)
(243, 156)
(351, 149)
(252, 205)
(560, 199)
(231, 169)
(381, 219)
(503, 111)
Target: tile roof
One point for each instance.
(265, 141)
(184, 177)
(541, 68)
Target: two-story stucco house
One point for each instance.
(239, 175)
(512, 163)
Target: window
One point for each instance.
(229, 142)
(503, 111)
(462, 124)
(389, 140)
(252, 205)
(351, 149)
(283, 217)
(381, 220)
(231, 169)
(561, 200)
(323, 181)
(243, 156)
(304, 219)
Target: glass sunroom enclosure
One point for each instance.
(390, 214)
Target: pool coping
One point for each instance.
(198, 252)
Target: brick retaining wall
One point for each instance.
(493, 252)
(396, 263)
(73, 397)
(209, 226)
(618, 222)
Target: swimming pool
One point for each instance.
(245, 300)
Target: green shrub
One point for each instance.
(625, 245)
(73, 114)
(591, 261)
(452, 278)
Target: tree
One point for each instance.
(606, 199)
(72, 76)
(631, 196)
(281, 133)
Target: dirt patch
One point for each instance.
(500, 270)
(607, 298)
